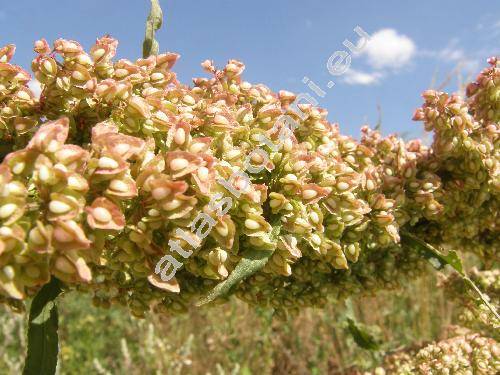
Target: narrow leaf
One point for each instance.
(361, 337)
(42, 332)
(440, 260)
(482, 296)
(251, 262)
(150, 45)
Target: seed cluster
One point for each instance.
(465, 355)
(116, 155)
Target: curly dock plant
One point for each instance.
(116, 159)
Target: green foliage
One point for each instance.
(251, 262)
(440, 261)
(361, 336)
(42, 331)
(233, 335)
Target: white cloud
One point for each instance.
(389, 49)
(34, 85)
(356, 77)
(451, 54)
(466, 62)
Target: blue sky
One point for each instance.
(413, 44)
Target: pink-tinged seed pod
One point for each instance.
(208, 66)
(418, 115)
(101, 128)
(270, 111)
(178, 207)
(109, 164)
(48, 66)
(179, 135)
(312, 193)
(73, 157)
(68, 235)
(7, 52)
(181, 163)
(40, 238)
(51, 136)
(162, 121)
(224, 231)
(67, 48)
(104, 214)
(234, 68)
(222, 120)
(11, 284)
(204, 178)
(124, 146)
(254, 225)
(122, 187)
(286, 97)
(171, 285)
(138, 107)
(106, 90)
(166, 60)
(11, 210)
(104, 49)
(63, 207)
(147, 64)
(71, 268)
(162, 187)
(41, 46)
(199, 145)
(80, 74)
(77, 183)
(277, 202)
(11, 241)
(24, 96)
(256, 193)
(20, 162)
(14, 75)
(5, 175)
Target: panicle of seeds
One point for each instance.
(466, 355)
(117, 159)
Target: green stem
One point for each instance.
(440, 260)
(150, 45)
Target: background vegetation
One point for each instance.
(234, 338)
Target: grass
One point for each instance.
(232, 338)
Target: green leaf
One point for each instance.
(251, 262)
(440, 260)
(433, 255)
(361, 336)
(150, 45)
(42, 331)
